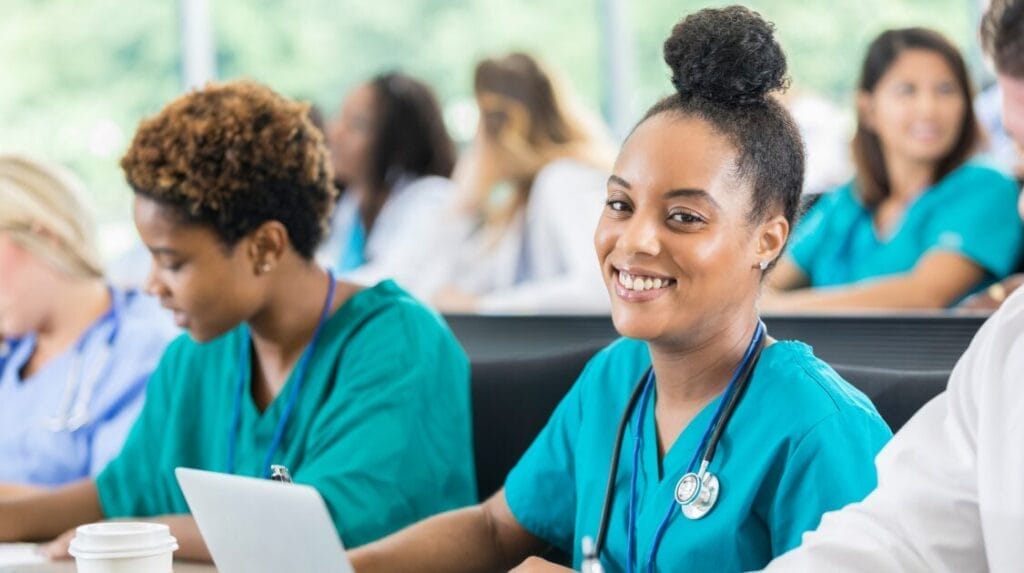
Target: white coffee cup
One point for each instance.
(123, 547)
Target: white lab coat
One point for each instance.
(950, 494)
(408, 217)
(545, 260)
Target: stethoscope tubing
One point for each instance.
(709, 442)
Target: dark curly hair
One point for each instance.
(868, 157)
(232, 156)
(725, 65)
(1002, 35)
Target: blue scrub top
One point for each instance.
(32, 452)
(971, 212)
(800, 443)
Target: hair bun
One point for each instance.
(727, 56)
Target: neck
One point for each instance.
(80, 303)
(688, 376)
(288, 318)
(283, 328)
(908, 179)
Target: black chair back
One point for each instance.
(512, 400)
(897, 394)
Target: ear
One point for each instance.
(771, 238)
(267, 246)
(866, 110)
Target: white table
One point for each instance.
(69, 567)
(23, 552)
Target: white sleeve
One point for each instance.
(565, 205)
(407, 235)
(924, 515)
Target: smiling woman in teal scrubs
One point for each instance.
(698, 207)
(921, 225)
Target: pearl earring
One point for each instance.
(763, 264)
(265, 268)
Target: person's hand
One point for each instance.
(538, 565)
(453, 300)
(992, 297)
(476, 174)
(58, 548)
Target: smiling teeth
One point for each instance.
(642, 283)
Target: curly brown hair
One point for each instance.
(233, 156)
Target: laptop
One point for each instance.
(261, 526)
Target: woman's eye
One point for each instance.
(904, 89)
(617, 205)
(172, 266)
(685, 218)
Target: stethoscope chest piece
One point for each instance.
(696, 496)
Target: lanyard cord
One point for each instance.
(638, 442)
(300, 376)
(609, 497)
(708, 443)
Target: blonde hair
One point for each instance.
(537, 120)
(46, 212)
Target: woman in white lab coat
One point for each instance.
(392, 159)
(532, 191)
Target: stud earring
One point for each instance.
(763, 264)
(264, 268)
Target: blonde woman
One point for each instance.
(77, 353)
(532, 191)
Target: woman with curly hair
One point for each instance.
(283, 364)
(699, 205)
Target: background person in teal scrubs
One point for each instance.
(362, 393)
(699, 205)
(920, 226)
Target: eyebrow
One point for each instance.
(684, 192)
(163, 251)
(695, 193)
(619, 181)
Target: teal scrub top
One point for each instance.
(971, 212)
(801, 442)
(381, 427)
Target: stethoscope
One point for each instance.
(73, 410)
(696, 492)
(300, 378)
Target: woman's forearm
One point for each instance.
(44, 515)
(482, 538)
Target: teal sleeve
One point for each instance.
(810, 233)
(392, 445)
(981, 223)
(831, 466)
(130, 485)
(541, 488)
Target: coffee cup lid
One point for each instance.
(121, 539)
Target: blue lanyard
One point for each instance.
(702, 447)
(300, 376)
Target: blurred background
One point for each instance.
(78, 75)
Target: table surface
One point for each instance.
(69, 567)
